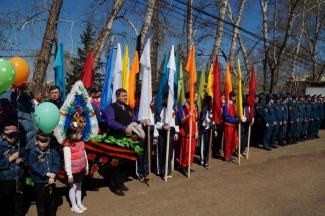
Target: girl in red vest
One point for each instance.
(76, 164)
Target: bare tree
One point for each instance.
(274, 62)
(220, 25)
(47, 43)
(312, 33)
(103, 36)
(145, 26)
(189, 25)
(235, 29)
(155, 43)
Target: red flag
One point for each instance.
(87, 75)
(251, 96)
(216, 108)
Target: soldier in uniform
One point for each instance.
(314, 118)
(258, 126)
(278, 120)
(300, 117)
(292, 120)
(284, 120)
(320, 113)
(306, 119)
(269, 123)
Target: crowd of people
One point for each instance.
(279, 120)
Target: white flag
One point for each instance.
(171, 100)
(117, 75)
(146, 94)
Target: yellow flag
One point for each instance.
(239, 98)
(125, 69)
(210, 82)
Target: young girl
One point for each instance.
(76, 164)
(45, 165)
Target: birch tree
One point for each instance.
(105, 32)
(219, 33)
(145, 26)
(274, 62)
(47, 44)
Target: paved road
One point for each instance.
(287, 181)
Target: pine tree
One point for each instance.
(87, 39)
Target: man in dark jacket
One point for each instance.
(118, 116)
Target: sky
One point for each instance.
(77, 11)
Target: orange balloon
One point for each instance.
(21, 67)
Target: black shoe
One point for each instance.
(274, 146)
(124, 188)
(267, 148)
(118, 192)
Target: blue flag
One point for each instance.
(163, 85)
(59, 71)
(107, 91)
(176, 78)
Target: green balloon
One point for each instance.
(47, 117)
(7, 75)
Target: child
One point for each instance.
(205, 127)
(76, 164)
(45, 164)
(11, 171)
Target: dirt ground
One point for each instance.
(287, 181)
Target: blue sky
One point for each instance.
(78, 11)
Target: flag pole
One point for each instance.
(167, 155)
(210, 148)
(173, 160)
(249, 140)
(189, 150)
(239, 142)
(149, 155)
(223, 143)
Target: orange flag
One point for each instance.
(191, 68)
(132, 77)
(228, 82)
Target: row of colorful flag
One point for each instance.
(120, 75)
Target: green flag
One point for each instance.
(180, 90)
(201, 89)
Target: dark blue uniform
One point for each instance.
(284, 119)
(269, 122)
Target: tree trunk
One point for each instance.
(189, 26)
(45, 52)
(235, 30)
(291, 76)
(219, 33)
(275, 64)
(155, 44)
(264, 4)
(103, 36)
(145, 27)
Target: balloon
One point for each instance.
(21, 67)
(7, 75)
(47, 117)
